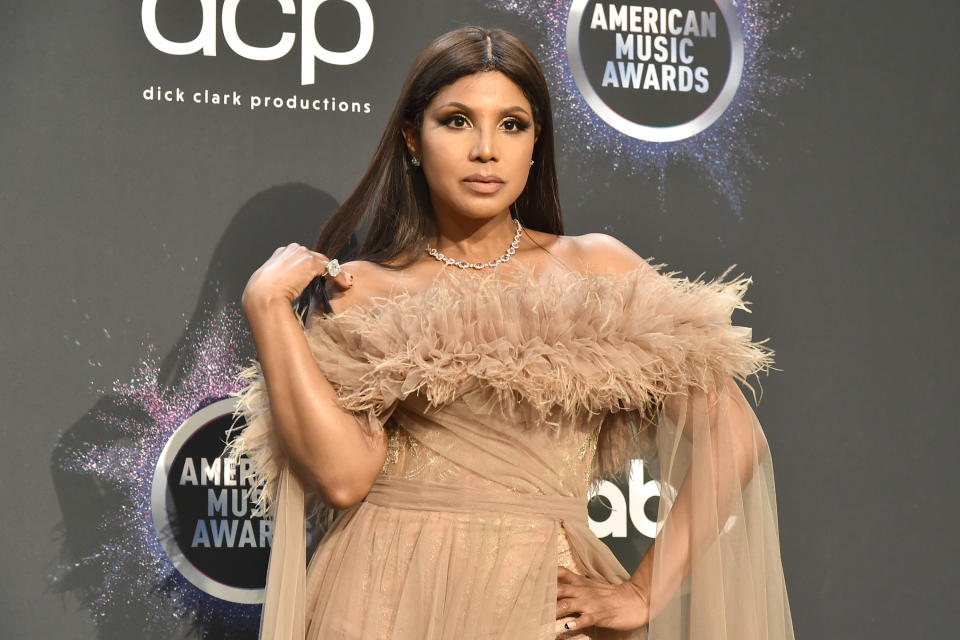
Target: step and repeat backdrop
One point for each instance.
(155, 153)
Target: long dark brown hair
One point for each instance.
(393, 195)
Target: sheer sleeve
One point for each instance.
(677, 362)
(716, 566)
(338, 348)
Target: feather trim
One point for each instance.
(578, 342)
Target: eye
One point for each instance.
(515, 125)
(456, 118)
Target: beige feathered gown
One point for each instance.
(504, 399)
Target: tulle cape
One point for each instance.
(655, 353)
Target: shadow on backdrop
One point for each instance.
(96, 511)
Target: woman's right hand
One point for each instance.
(285, 275)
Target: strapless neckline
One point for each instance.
(593, 341)
(448, 282)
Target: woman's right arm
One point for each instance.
(323, 441)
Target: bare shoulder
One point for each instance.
(600, 252)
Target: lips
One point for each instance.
(479, 183)
(477, 177)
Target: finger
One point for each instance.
(583, 621)
(287, 250)
(344, 279)
(570, 577)
(566, 607)
(566, 590)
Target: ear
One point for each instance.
(411, 136)
(536, 133)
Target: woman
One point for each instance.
(473, 371)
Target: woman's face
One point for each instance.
(475, 145)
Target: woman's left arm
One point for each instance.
(714, 569)
(719, 422)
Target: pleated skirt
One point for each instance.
(425, 561)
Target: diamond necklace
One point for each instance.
(480, 265)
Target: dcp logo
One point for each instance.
(310, 49)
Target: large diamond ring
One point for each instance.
(333, 268)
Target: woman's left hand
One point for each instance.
(613, 606)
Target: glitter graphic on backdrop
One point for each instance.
(144, 414)
(722, 154)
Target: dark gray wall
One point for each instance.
(121, 219)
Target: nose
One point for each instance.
(484, 147)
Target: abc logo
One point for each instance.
(310, 49)
(631, 507)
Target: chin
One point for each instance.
(480, 209)
(486, 211)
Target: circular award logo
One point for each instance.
(203, 510)
(657, 73)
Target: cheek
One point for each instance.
(440, 161)
(519, 163)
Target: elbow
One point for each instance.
(343, 492)
(344, 479)
(751, 454)
(336, 492)
(343, 498)
(763, 448)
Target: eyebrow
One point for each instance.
(503, 112)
